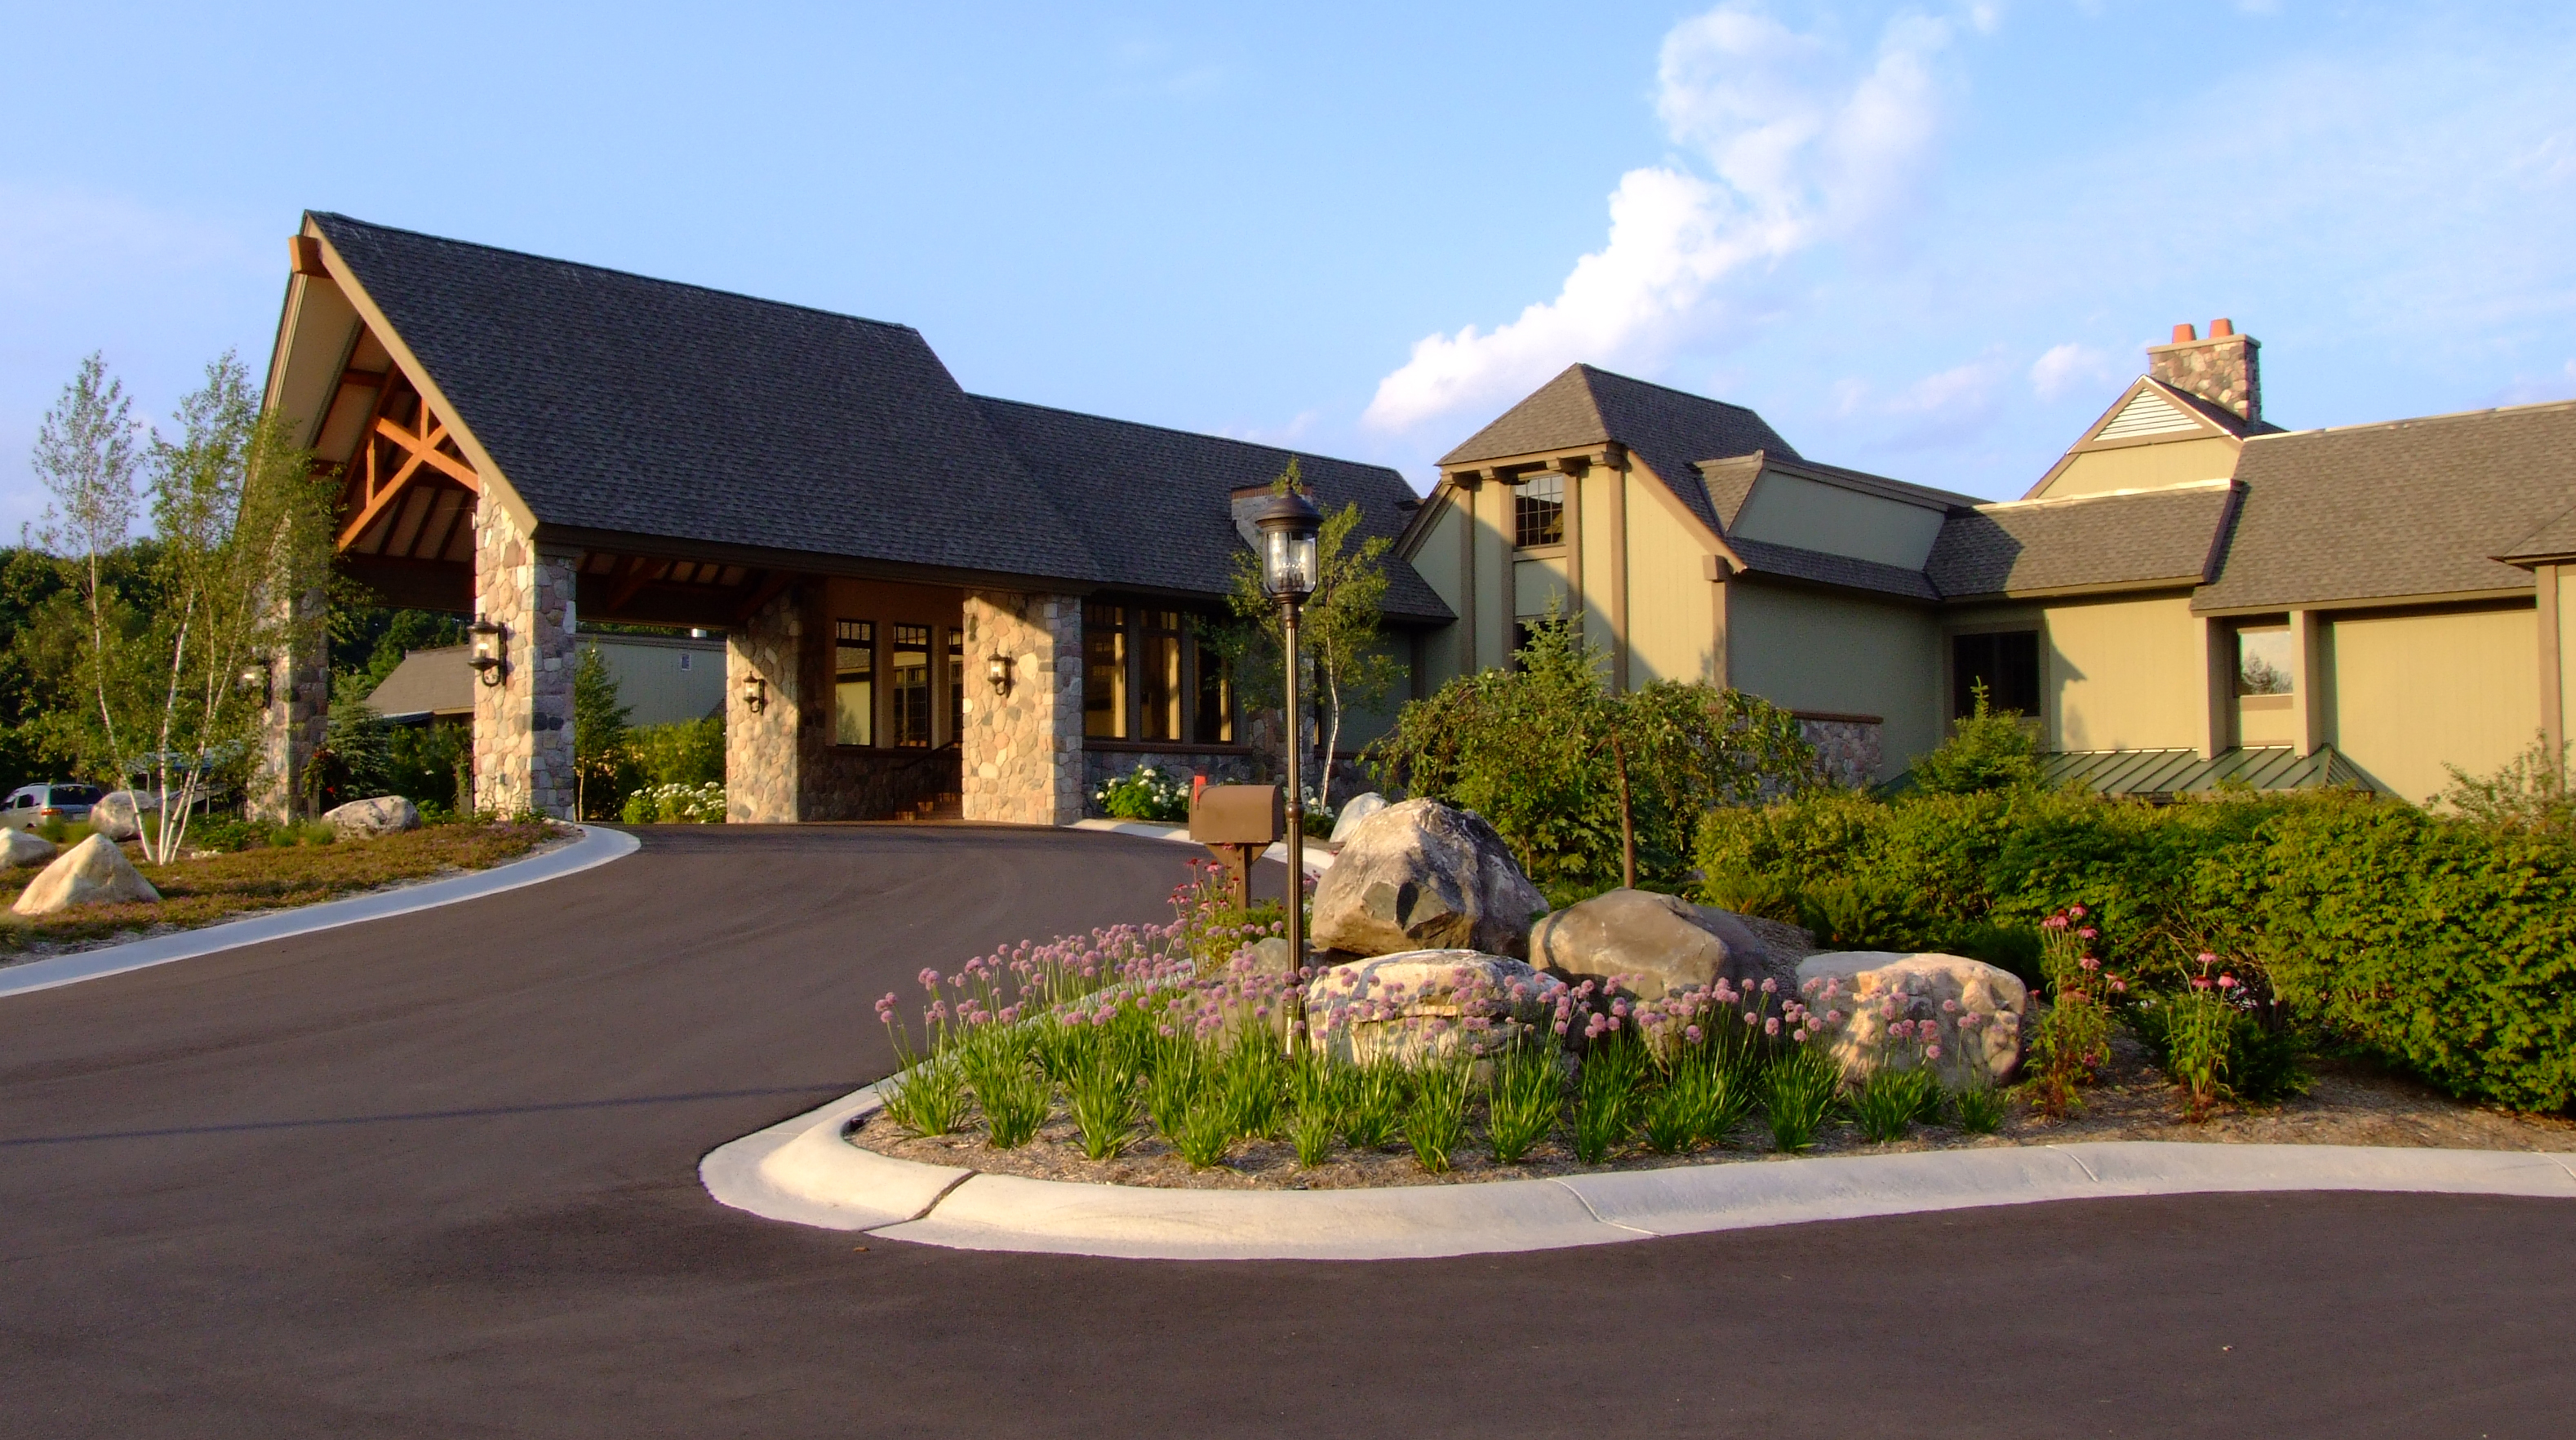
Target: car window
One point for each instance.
(75, 795)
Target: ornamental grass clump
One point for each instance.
(1436, 1122)
(1980, 1108)
(1798, 1097)
(1014, 1093)
(929, 1098)
(1248, 1081)
(1521, 1105)
(1100, 1094)
(1373, 1101)
(1204, 1133)
(1606, 1095)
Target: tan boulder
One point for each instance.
(118, 815)
(18, 847)
(366, 819)
(1974, 1012)
(1421, 875)
(1427, 1004)
(94, 872)
(1655, 945)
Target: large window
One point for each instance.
(2263, 660)
(956, 682)
(1104, 671)
(2006, 663)
(1538, 511)
(909, 664)
(854, 694)
(1150, 675)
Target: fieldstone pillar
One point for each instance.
(764, 761)
(296, 711)
(1020, 752)
(523, 723)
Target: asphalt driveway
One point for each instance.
(436, 1176)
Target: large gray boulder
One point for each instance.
(1975, 1012)
(1655, 946)
(94, 872)
(118, 815)
(1421, 875)
(1427, 1005)
(366, 819)
(17, 847)
(1354, 810)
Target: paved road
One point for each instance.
(436, 1176)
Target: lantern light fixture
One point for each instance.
(998, 670)
(755, 693)
(489, 637)
(1289, 565)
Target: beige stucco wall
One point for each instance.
(2146, 467)
(2412, 692)
(2124, 675)
(1810, 650)
(1787, 510)
(1671, 603)
(1436, 561)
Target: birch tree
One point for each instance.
(85, 456)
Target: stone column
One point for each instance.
(523, 723)
(764, 764)
(297, 710)
(1020, 754)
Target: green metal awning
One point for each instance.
(2163, 774)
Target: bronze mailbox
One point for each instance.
(1238, 815)
(1238, 822)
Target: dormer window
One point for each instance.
(1538, 511)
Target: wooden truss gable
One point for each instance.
(407, 492)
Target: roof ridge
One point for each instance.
(2532, 408)
(1191, 434)
(1983, 506)
(611, 270)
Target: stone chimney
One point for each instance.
(2222, 369)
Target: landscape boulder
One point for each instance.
(1427, 1004)
(18, 847)
(118, 815)
(1656, 945)
(1977, 1011)
(1421, 875)
(366, 819)
(94, 872)
(1354, 810)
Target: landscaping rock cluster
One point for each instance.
(1427, 1005)
(1421, 875)
(1874, 989)
(366, 819)
(94, 872)
(18, 847)
(1655, 945)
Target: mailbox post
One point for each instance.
(1238, 822)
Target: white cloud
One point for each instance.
(1803, 145)
(2067, 368)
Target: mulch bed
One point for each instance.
(2353, 1103)
(203, 891)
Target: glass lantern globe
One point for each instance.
(1289, 566)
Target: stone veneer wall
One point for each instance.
(298, 711)
(1021, 755)
(764, 763)
(1236, 768)
(1849, 747)
(523, 726)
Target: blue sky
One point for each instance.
(1928, 241)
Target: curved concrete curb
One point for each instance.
(594, 848)
(1318, 859)
(803, 1170)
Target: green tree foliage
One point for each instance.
(1986, 750)
(684, 752)
(599, 724)
(1340, 630)
(1540, 749)
(85, 455)
(2529, 792)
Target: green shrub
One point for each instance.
(684, 752)
(1143, 793)
(1985, 751)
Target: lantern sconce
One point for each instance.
(998, 670)
(489, 636)
(755, 693)
(256, 679)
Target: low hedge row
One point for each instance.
(2445, 946)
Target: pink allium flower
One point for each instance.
(1691, 1033)
(1931, 1052)
(1770, 987)
(928, 977)
(1771, 1026)
(1950, 1007)
(1833, 1017)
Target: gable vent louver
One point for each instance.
(2147, 413)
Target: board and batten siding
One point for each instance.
(1436, 560)
(2413, 692)
(2124, 675)
(2144, 467)
(1788, 510)
(1672, 610)
(1819, 651)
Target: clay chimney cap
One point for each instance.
(2221, 327)
(2184, 335)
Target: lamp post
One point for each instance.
(1289, 571)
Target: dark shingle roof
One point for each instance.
(2095, 540)
(2413, 507)
(1730, 484)
(2550, 541)
(1671, 430)
(615, 402)
(1152, 503)
(1818, 567)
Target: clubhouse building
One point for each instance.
(929, 597)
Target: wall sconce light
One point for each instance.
(755, 694)
(998, 670)
(489, 636)
(254, 679)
